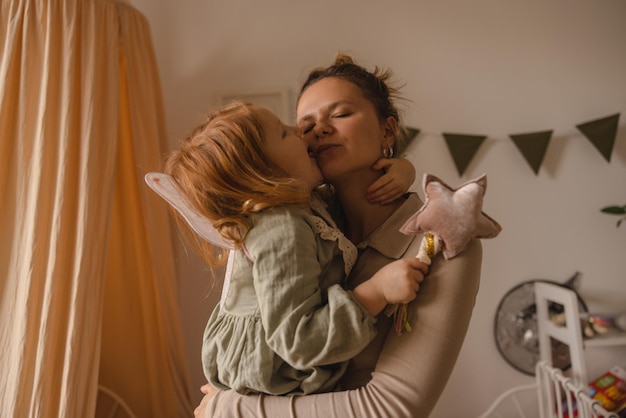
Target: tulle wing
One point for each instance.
(164, 186)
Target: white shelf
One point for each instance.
(610, 339)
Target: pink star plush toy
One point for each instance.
(450, 219)
(452, 216)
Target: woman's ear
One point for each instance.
(391, 127)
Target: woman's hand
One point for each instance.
(209, 391)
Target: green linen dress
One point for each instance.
(286, 325)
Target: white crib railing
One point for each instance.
(559, 395)
(553, 395)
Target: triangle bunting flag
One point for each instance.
(601, 133)
(533, 147)
(463, 148)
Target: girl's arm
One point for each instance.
(399, 175)
(412, 369)
(304, 324)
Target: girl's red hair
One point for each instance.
(222, 169)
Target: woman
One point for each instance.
(349, 119)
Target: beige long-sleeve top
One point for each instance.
(395, 376)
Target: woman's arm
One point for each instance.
(412, 369)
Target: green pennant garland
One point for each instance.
(406, 136)
(533, 147)
(601, 133)
(463, 147)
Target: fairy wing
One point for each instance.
(164, 186)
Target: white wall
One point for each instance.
(489, 67)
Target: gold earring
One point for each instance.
(388, 152)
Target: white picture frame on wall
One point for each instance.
(275, 100)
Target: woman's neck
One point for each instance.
(362, 218)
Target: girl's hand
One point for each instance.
(397, 282)
(401, 280)
(209, 391)
(399, 175)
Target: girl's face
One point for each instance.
(342, 128)
(285, 147)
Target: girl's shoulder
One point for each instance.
(279, 221)
(279, 228)
(278, 214)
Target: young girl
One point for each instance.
(286, 325)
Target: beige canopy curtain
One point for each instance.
(87, 286)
